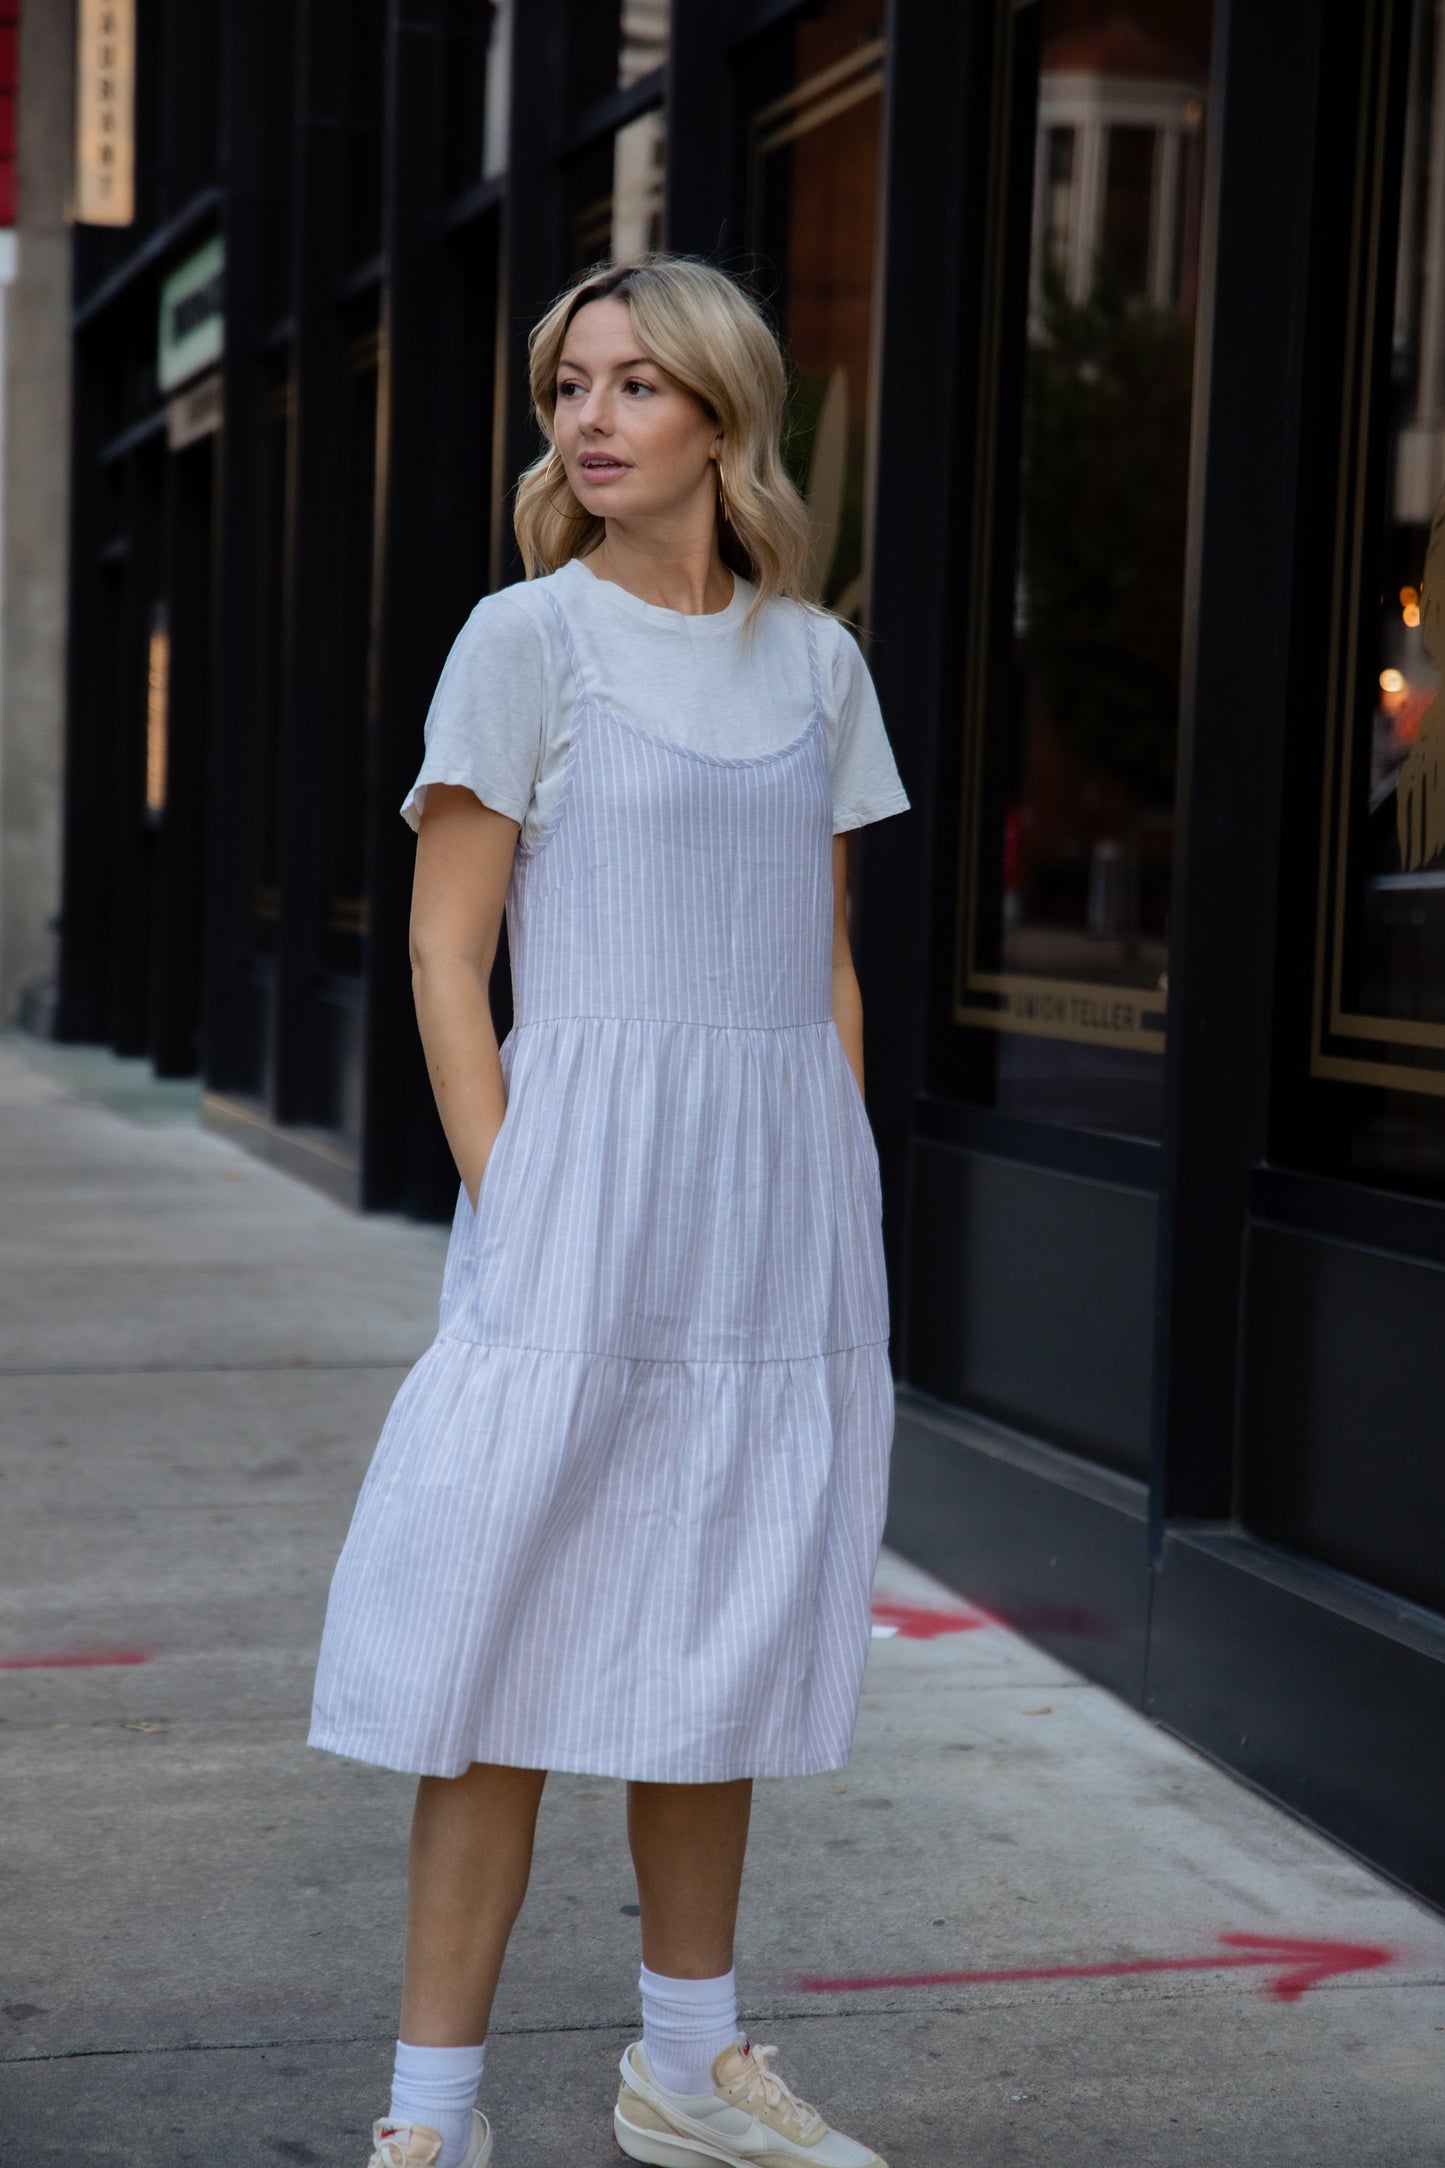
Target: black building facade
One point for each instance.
(1118, 329)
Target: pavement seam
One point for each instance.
(753, 2018)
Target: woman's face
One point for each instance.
(635, 442)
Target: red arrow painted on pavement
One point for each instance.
(912, 1623)
(1298, 1966)
(85, 1660)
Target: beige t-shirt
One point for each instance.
(500, 720)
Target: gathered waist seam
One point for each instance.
(616, 1355)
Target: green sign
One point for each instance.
(192, 316)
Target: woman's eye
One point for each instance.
(563, 389)
(637, 383)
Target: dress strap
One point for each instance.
(816, 673)
(578, 680)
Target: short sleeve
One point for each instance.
(866, 783)
(484, 728)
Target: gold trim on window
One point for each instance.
(1093, 1012)
(810, 104)
(1331, 1019)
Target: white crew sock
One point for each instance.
(438, 2087)
(685, 2024)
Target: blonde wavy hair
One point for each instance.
(706, 332)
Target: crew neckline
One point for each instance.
(702, 621)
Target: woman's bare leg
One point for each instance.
(471, 1854)
(688, 1842)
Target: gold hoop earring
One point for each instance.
(722, 496)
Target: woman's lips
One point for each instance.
(603, 470)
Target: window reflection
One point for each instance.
(813, 227)
(640, 148)
(618, 190)
(637, 171)
(642, 39)
(618, 193)
(1380, 994)
(1073, 706)
(496, 110)
(616, 187)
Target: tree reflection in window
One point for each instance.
(1074, 658)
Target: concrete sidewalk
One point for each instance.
(202, 1917)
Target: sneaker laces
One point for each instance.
(776, 2093)
(393, 2146)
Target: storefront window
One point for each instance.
(637, 187)
(617, 189)
(1072, 657)
(642, 39)
(639, 148)
(1378, 1023)
(813, 220)
(496, 111)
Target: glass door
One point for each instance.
(1374, 1105)
(1069, 661)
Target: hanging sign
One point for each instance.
(198, 411)
(193, 316)
(105, 113)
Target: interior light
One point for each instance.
(1391, 681)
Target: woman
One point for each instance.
(623, 1516)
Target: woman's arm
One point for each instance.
(847, 999)
(464, 858)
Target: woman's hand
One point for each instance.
(464, 859)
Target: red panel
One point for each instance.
(9, 90)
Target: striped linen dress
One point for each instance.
(623, 1515)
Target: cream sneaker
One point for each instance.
(415, 2145)
(750, 2117)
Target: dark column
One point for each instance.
(178, 892)
(699, 205)
(82, 1013)
(532, 251)
(124, 721)
(934, 156)
(308, 644)
(247, 63)
(1235, 695)
(403, 642)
